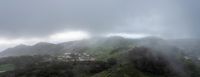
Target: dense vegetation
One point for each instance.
(114, 57)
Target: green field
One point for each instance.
(6, 67)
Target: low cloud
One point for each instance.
(36, 20)
(54, 38)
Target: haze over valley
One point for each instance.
(99, 38)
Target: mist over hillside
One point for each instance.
(45, 48)
(147, 57)
(99, 38)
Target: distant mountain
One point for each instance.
(38, 49)
(44, 48)
(101, 46)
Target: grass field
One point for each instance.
(6, 67)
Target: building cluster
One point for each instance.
(76, 57)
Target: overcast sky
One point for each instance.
(30, 19)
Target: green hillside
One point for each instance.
(107, 57)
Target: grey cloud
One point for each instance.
(36, 18)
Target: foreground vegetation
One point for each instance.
(138, 62)
(111, 58)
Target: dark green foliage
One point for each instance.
(114, 57)
(149, 62)
(43, 70)
(44, 67)
(22, 61)
(192, 68)
(140, 62)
